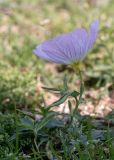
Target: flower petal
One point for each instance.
(68, 47)
(93, 34)
(39, 51)
(79, 41)
(55, 50)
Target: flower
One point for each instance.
(69, 47)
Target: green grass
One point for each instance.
(23, 25)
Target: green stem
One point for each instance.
(17, 135)
(35, 140)
(81, 93)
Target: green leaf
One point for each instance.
(70, 106)
(65, 83)
(55, 123)
(60, 101)
(49, 151)
(29, 114)
(27, 123)
(52, 89)
(81, 89)
(44, 121)
(21, 132)
(75, 94)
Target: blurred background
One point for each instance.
(25, 23)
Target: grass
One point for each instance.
(23, 25)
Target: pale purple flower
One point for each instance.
(69, 47)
